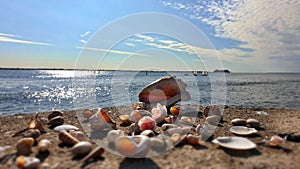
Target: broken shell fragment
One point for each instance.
(101, 121)
(112, 135)
(239, 122)
(81, 148)
(148, 133)
(147, 123)
(96, 153)
(136, 115)
(24, 146)
(44, 145)
(159, 113)
(213, 120)
(56, 121)
(65, 137)
(133, 146)
(66, 127)
(55, 114)
(28, 162)
(275, 141)
(253, 123)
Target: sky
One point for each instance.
(239, 35)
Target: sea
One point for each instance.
(30, 91)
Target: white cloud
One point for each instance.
(11, 39)
(112, 51)
(85, 34)
(130, 44)
(145, 37)
(83, 41)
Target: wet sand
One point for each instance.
(207, 155)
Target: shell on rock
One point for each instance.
(66, 127)
(253, 123)
(56, 121)
(133, 146)
(28, 162)
(139, 105)
(148, 133)
(213, 120)
(242, 130)
(239, 122)
(168, 90)
(192, 139)
(147, 123)
(44, 145)
(24, 146)
(212, 110)
(112, 135)
(66, 137)
(81, 148)
(33, 133)
(79, 135)
(55, 114)
(159, 113)
(96, 153)
(136, 115)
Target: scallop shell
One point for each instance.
(28, 162)
(55, 114)
(56, 121)
(79, 135)
(212, 110)
(66, 127)
(253, 123)
(136, 115)
(133, 146)
(242, 130)
(159, 113)
(237, 143)
(24, 146)
(65, 137)
(148, 133)
(147, 123)
(239, 122)
(112, 135)
(44, 145)
(81, 148)
(96, 153)
(213, 120)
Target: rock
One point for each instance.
(81, 148)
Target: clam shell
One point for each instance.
(66, 127)
(242, 130)
(56, 121)
(81, 148)
(159, 113)
(253, 123)
(55, 114)
(136, 115)
(148, 133)
(24, 146)
(213, 120)
(147, 123)
(237, 143)
(44, 145)
(133, 146)
(28, 162)
(239, 122)
(112, 135)
(65, 137)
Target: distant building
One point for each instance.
(221, 71)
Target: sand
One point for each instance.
(207, 155)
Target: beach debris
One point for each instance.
(237, 143)
(66, 127)
(275, 140)
(239, 122)
(212, 110)
(96, 153)
(159, 113)
(192, 139)
(147, 123)
(56, 121)
(66, 137)
(133, 146)
(139, 105)
(44, 145)
(168, 90)
(253, 123)
(24, 146)
(213, 120)
(148, 133)
(79, 135)
(81, 148)
(28, 162)
(101, 120)
(262, 113)
(112, 135)
(34, 123)
(242, 130)
(136, 115)
(87, 113)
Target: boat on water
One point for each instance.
(204, 73)
(195, 73)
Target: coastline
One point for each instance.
(207, 155)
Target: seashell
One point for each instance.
(124, 118)
(56, 121)
(105, 117)
(242, 130)
(44, 145)
(96, 153)
(136, 115)
(148, 133)
(171, 119)
(175, 110)
(167, 89)
(176, 138)
(239, 122)
(66, 127)
(171, 131)
(65, 137)
(253, 123)
(213, 120)
(101, 120)
(43, 120)
(24, 146)
(134, 128)
(192, 139)
(237, 143)
(139, 105)
(86, 113)
(112, 135)
(33, 133)
(147, 123)
(159, 113)
(81, 148)
(79, 135)
(165, 127)
(55, 114)
(275, 141)
(212, 110)
(28, 162)
(133, 146)
(156, 142)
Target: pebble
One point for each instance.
(81, 148)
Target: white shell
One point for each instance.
(253, 122)
(44, 145)
(28, 162)
(159, 113)
(112, 135)
(238, 122)
(66, 127)
(81, 148)
(237, 143)
(242, 130)
(133, 146)
(148, 133)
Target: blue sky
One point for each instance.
(243, 36)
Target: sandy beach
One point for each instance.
(207, 155)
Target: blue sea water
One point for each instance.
(29, 91)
